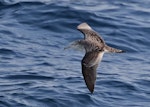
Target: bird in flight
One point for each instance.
(94, 47)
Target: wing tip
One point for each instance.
(90, 86)
(91, 89)
(83, 25)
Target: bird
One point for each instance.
(94, 47)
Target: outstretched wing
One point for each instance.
(89, 74)
(89, 33)
(89, 65)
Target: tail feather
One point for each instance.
(113, 50)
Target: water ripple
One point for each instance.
(36, 71)
(5, 51)
(28, 77)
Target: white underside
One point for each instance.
(97, 60)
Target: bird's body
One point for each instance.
(94, 47)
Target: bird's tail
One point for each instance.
(113, 50)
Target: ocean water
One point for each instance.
(36, 71)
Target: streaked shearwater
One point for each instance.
(94, 47)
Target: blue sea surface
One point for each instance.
(36, 71)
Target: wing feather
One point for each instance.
(89, 33)
(89, 65)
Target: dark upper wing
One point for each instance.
(89, 33)
(89, 74)
(89, 65)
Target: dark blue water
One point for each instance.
(35, 71)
